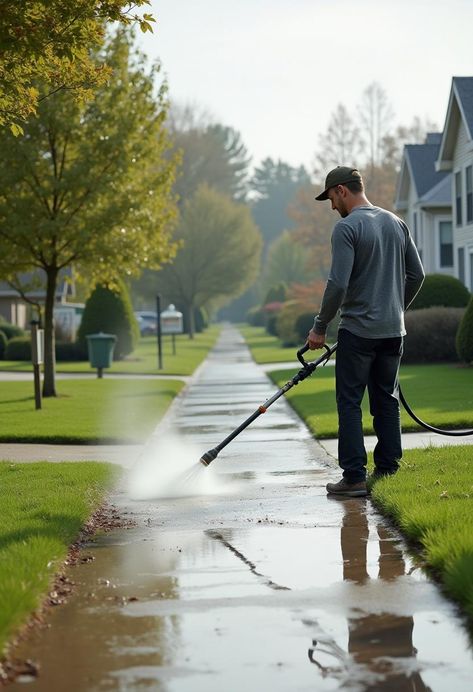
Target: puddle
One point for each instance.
(260, 582)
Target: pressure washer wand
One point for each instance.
(306, 370)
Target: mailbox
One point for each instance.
(171, 321)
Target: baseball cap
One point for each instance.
(339, 176)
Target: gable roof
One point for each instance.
(418, 164)
(460, 109)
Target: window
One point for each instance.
(446, 243)
(469, 194)
(458, 198)
(461, 264)
(416, 237)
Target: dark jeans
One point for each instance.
(372, 363)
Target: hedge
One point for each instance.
(431, 335)
(11, 330)
(3, 344)
(18, 348)
(464, 339)
(441, 290)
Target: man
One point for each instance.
(376, 273)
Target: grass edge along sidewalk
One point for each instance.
(106, 411)
(43, 508)
(144, 360)
(431, 501)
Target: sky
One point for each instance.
(276, 69)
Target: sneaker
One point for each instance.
(349, 489)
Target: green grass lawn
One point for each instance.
(441, 395)
(266, 348)
(144, 360)
(431, 500)
(86, 411)
(42, 510)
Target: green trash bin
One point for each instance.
(100, 347)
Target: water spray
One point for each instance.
(306, 370)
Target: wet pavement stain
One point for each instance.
(272, 586)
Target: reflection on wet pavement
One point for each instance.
(272, 586)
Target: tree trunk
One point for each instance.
(191, 320)
(49, 382)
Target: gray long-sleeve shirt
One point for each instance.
(376, 273)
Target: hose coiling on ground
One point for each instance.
(439, 431)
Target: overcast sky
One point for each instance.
(276, 69)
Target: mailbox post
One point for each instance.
(172, 323)
(37, 357)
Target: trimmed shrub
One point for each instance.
(464, 339)
(3, 344)
(431, 335)
(303, 325)
(441, 290)
(67, 351)
(109, 310)
(201, 319)
(18, 348)
(286, 323)
(11, 330)
(272, 325)
(276, 294)
(255, 316)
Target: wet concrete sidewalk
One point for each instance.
(266, 585)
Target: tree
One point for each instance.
(275, 184)
(313, 224)
(219, 253)
(49, 42)
(286, 262)
(376, 115)
(212, 154)
(340, 145)
(89, 186)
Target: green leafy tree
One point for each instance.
(212, 154)
(286, 262)
(276, 184)
(89, 186)
(219, 256)
(109, 310)
(47, 46)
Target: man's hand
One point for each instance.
(315, 340)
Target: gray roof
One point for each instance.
(440, 195)
(422, 158)
(464, 88)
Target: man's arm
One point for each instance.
(414, 273)
(343, 255)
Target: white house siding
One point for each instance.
(462, 235)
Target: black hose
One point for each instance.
(451, 433)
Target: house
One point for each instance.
(14, 309)
(456, 157)
(424, 200)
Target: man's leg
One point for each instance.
(383, 387)
(355, 356)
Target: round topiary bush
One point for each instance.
(276, 294)
(11, 330)
(304, 324)
(442, 291)
(431, 335)
(109, 310)
(255, 316)
(18, 348)
(464, 340)
(3, 344)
